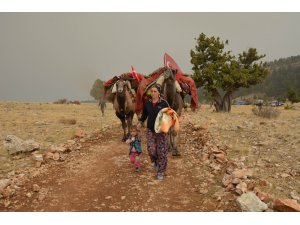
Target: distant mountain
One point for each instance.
(284, 74)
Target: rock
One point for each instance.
(8, 192)
(227, 179)
(286, 205)
(204, 156)
(294, 195)
(79, 134)
(14, 145)
(38, 164)
(213, 121)
(56, 156)
(285, 175)
(203, 191)
(249, 202)
(38, 157)
(230, 187)
(123, 197)
(42, 194)
(236, 181)
(36, 188)
(4, 183)
(6, 203)
(54, 148)
(265, 197)
(242, 186)
(108, 197)
(243, 173)
(220, 157)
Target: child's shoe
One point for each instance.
(160, 177)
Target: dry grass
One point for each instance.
(269, 146)
(266, 111)
(48, 123)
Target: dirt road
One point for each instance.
(100, 178)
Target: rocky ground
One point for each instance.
(226, 160)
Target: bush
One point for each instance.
(266, 111)
(67, 121)
(61, 101)
(289, 106)
(76, 102)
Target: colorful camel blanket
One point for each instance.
(181, 78)
(166, 118)
(134, 78)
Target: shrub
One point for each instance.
(67, 121)
(76, 102)
(61, 101)
(289, 106)
(266, 111)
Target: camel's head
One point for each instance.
(122, 85)
(170, 73)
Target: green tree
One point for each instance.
(97, 89)
(292, 95)
(220, 73)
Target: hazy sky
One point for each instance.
(49, 56)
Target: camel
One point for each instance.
(166, 77)
(123, 104)
(175, 101)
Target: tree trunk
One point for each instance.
(226, 102)
(217, 100)
(222, 104)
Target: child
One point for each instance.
(135, 149)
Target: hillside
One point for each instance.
(284, 74)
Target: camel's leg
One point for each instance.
(129, 118)
(122, 118)
(173, 138)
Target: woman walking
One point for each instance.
(156, 142)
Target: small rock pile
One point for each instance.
(237, 179)
(15, 180)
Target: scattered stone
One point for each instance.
(294, 195)
(79, 134)
(38, 157)
(220, 156)
(14, 145)
(286, 205)
(6, 203)
(236, 181)
(243, 173)
(265, 197)
(36, 188)
(4, 183)
(203, 191)
(249, 202)
(54, 148)
(38, 164)
(56, 156)
(123, 197)
(108, 197)
(204, 156)
(285, 175)
(227, 179)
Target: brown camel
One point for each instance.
(176, 103)
(124, 105)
